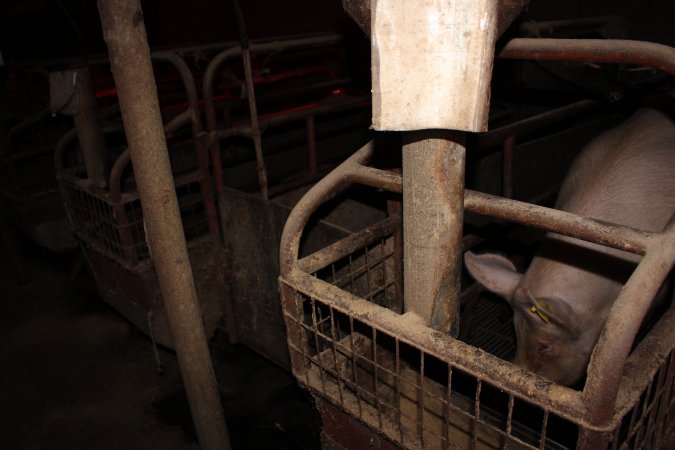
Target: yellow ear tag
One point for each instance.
(538, 310)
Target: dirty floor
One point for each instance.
(74, 374)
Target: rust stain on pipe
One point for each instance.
(433, 217)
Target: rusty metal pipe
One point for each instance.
(395, 208)
(124, 33)
(376, 178)
(592, 50)
(178, 122)
(645, 360)
(321, 192)
(615, 236)
(659, 248)
(530, 124)
(69, 138)
(124, 159)
(225, 55)
(253, 111)
(614, 345)
(333, 252)
(200, 138)
(565, 401)
(433, 219)
(231, 132)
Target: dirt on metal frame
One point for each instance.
(357, 354)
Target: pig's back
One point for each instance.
(626, 175)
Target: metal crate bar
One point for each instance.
(618, 408)
(125, 36)
(456, 353)
(592, 50)
(323, 257)
(566, 403)
(562, 401)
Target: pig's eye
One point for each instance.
(545, 348)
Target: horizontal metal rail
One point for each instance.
(622, 51)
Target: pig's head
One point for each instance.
(550, 338)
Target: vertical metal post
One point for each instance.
(437, 78)
(253, 109)
(250, 95)
(124, 33)
(89, 130)
(433, 214)
(396, 207)
(72, 93)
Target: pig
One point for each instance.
(626, 176)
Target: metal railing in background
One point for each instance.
(252, 128)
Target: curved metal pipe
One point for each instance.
(605, 369)
(324, 190)
(592, 50)
(71, 135)
(614, 345)
(221, 58)
(126, 40)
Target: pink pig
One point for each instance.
(625, 176)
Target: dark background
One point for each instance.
(46, 29)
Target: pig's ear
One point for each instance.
(495, 272)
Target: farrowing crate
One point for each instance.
(350, 344)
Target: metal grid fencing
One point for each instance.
(421, 389)
(115, 228)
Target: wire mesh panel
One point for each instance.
(651, 418)
(422, 389)
(116, 229)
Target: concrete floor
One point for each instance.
(74, 374)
